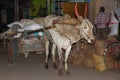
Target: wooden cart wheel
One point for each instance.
(112, 57)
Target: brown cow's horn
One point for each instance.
(76, 11)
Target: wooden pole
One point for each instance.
(48, 6)
(16, 7)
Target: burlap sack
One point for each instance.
(99, 62)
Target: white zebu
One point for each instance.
(64, 35)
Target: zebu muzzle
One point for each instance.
(91, 41)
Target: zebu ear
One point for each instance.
(76, 12)
(77, 26)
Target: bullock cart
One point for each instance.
(63, 36)
(30, 41)
(32, 44)
(23, 46)
(30, 35)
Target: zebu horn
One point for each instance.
(76, 12)
(86, 8)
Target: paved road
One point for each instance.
(32, 68)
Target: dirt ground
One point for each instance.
(32, 68)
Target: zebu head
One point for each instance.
(86, 30)
(85, 27)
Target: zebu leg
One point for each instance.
(67, 52)
(60, 72)
(53, 56)
(46, 53)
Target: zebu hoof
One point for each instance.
(60, 73)
(67, 72)
(46, 66)
(54, 66)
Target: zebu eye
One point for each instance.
(85, 27)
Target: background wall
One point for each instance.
(77, 0)
(68, 7)
(95, 5)
(36, 5)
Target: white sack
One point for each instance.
(113, 25)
